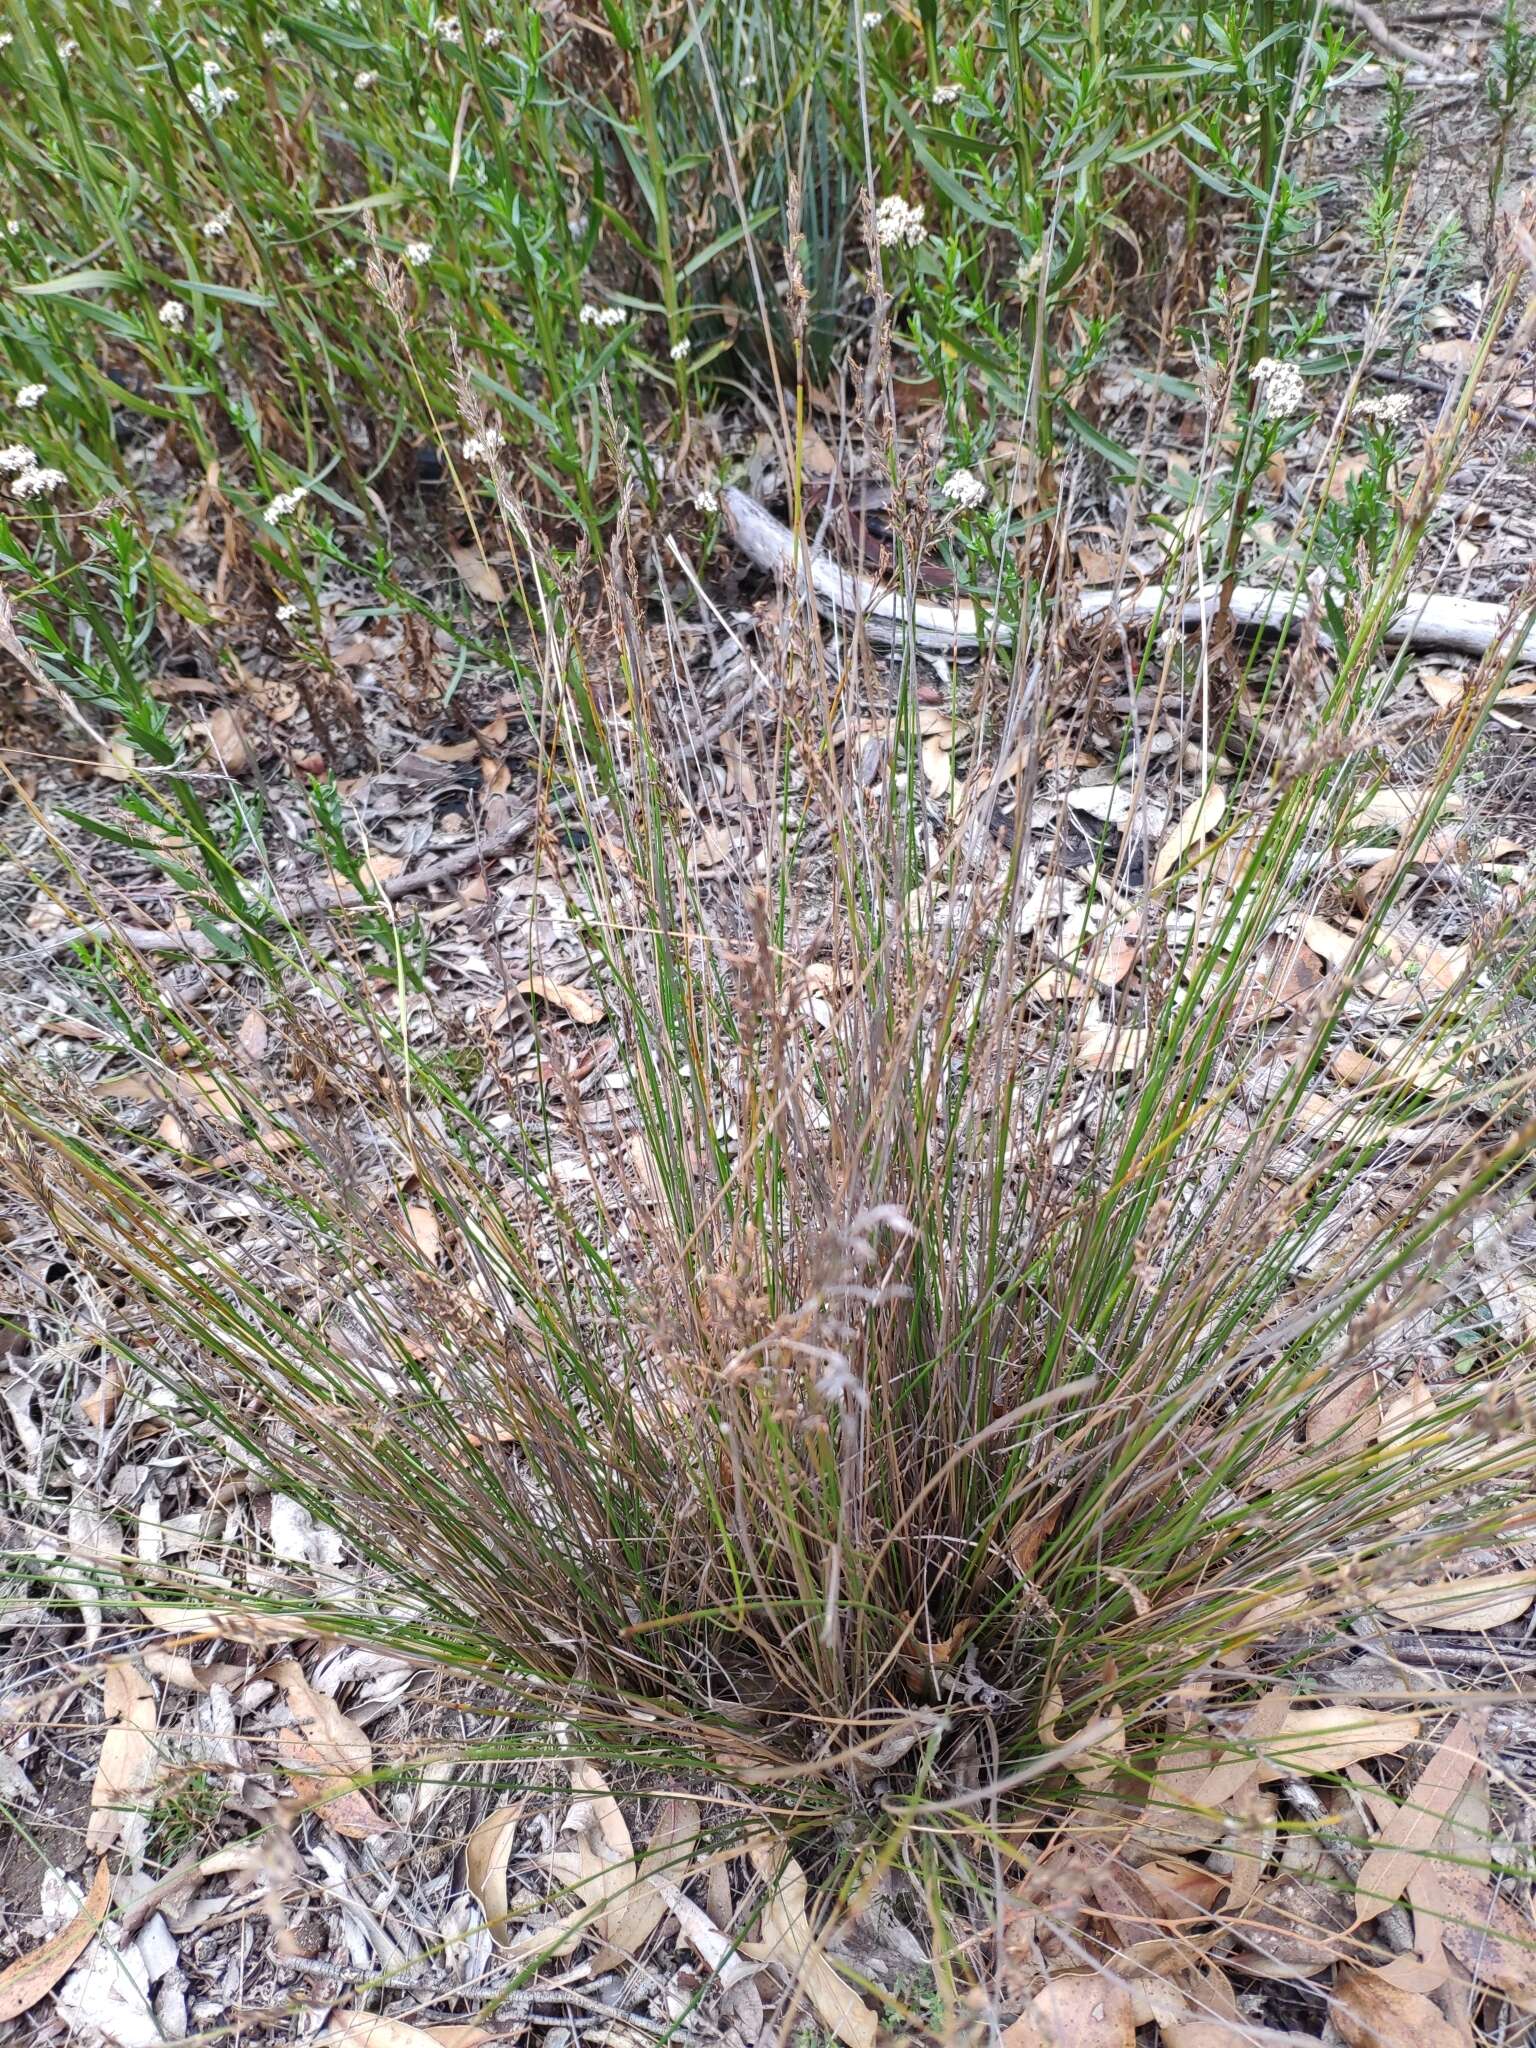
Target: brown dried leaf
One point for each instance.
(785, 1937)
(1110, 1048)
(1492, 1939)
(129, 1763)
(485, 1864)
(1083, 2010)
(1329, 1738)
(226, 738)
(33, 1976)
(1487, 1601)
(1383, 1877)
(325, 1753)
(349, 2029)
(668, 1853)
(579, 1004)
(476, 574)
(1370, 2013)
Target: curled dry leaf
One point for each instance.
(324, 1753)
(476, 574)
(1083, 2010)
(1197, 823)
(784, 1936)
(1487, 1601)
(1110, 1048)
(579, 1004)
(1368, 2012)
(129, 1763)
(351, 2029)
(33, 1976)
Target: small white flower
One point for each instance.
(964, 490)
(898, 223)
(706, 500)
(1388, 411)
(218, 225)
(17, 456)
(13, 228)
(680, 351)
(872, 17)
(210, 98)
(347, 266)
(38, 483)
(287, 613)
(30, 396)
(946, 95)
(172, 315)
(285, 504)
(482, 447)
(448, 29)
(365, 81)
(69, 49)
(493, 39)
(6, 39)
(417, 253)
(1281, 387)
(274, 38)
(601, 316)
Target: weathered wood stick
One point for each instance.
(1449, 625)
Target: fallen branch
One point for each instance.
(1450, 625)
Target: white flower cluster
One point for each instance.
(493, 39)
(680, 351)
(28, 477)
(448, 29)
(1388, 411)
(274, 38)
(287, 613)
(601, 316)
(365, 81)
(872, 17)
(211, 99)
(946, 95)
(285, 504)
(172, 315)
(417, 253)
(217, 225)
(38, 482)
(30, 396)
(484, 446)
(898, 223)
(1281, 387)
(964, 489)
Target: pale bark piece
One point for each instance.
(1458, 625)
(33, 1976)
(1083, 2010)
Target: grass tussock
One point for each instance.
(969, 1303)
